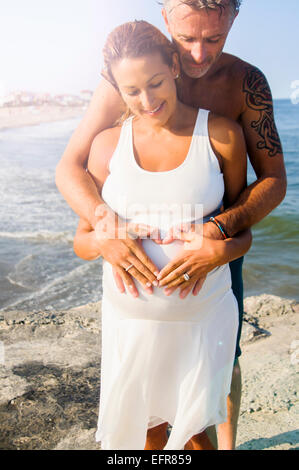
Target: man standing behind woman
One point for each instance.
(164, 360)
(210, 79)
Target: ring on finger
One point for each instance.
(186, 277)
(129, 267)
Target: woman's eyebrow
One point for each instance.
(155, 75)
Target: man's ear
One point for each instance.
(164, 14)
(235, 16)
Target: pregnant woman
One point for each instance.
(164, 359)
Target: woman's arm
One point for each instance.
(86, 245)
(119, 251)
(85, 242)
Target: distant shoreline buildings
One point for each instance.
(27, 98)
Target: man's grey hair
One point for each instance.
(169, 5)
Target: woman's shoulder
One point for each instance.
(222, 126)
(226, 135)
(107, 139)
(102, 149)
(224, 131)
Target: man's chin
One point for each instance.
(195, 72)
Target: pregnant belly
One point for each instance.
(158, 306)
(162, 254)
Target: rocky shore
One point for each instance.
(50, 377)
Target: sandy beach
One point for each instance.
(20, 116)
(50, 377)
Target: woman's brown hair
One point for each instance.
(135, 39)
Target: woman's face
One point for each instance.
(147, 86)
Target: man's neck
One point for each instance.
(211, 73)
(219, 90)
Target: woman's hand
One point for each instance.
(120, 244)
(200, 255)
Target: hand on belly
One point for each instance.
(162, 254)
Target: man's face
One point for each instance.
(199, 36)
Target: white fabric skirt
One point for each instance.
(165, 359)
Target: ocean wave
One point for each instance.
(44, 236)
(16, 283)
(278, 226)
(68, 287)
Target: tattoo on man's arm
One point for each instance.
(258, 98)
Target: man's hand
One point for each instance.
(200, 255)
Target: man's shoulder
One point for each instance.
(244, 75)
(244, 81)
(234, 66)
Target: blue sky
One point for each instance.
(55, 45)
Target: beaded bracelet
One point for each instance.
(224, 234)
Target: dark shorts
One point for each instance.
(237, 287)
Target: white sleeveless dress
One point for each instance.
(165, 359)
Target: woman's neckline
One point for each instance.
(136, 164)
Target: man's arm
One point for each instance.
(74, 183)
(265, 153)
(201, 255)
(79, 188)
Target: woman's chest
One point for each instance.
(156, 156)
(183, 195)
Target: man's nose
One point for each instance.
(198, 52)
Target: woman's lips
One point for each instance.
(155, 111)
